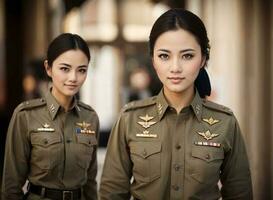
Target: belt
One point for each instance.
(55, 194)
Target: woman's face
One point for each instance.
(177, 59)
(68, 73)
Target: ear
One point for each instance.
(203, 62)
(48, 68)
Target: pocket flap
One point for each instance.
(87, 139)
(208, 155)
(145, 149)
(45, 139)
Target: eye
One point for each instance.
(163, 56)
(65, 69)
(187, 56)
(82, 70)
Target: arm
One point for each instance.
(90, 188)
(235, 176)
(16, 162)
(117, 170)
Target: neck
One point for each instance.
(64, 101)
(179, 100)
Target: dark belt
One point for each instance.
(54, 193)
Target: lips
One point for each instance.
(176, 80)
(71, 86)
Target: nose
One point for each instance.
(176, 66)
(72, 76)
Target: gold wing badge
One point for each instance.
(84, 128)
(146, 123)
(208, 135)
(211, 121)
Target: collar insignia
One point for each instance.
(211, 121)
(208, 135)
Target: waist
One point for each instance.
(55, 194)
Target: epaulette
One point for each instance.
(217, 107)
(138, 104)
(26, 105)
(80, 103)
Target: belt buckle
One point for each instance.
(67, 195)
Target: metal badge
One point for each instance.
(211, 121)
(210, 144)
(147, 123)
(208, 135)
(146, 134)
(46, 128)
(84, 128)
(159, 107)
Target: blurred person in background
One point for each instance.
(52, 141)
(177, 145)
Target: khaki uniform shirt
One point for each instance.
(155, 153)
(51, 148)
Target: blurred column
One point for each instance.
(36, 29)
(2, 54)
(258, 93)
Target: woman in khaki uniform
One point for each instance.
(52, 141)
(177, 145)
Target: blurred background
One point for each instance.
(240, 66)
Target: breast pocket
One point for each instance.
(85, 147)
(146, 157)
(206, 163)
(46, 149)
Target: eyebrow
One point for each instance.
(181, 51)
(70, 65)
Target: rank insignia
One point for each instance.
(159, 107)
(46, 128)
(208, 135)
(211, 121)
(84, 128)
(210, 144)
(146, 134)
(146, 123)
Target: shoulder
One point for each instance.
(85, 106)
(30, 104)
(134, 105)
(212, 106)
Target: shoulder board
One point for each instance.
(217, 107)
(26, 105)
(83, 105)
(139, 104)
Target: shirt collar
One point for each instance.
(53, 106)
(196, 105)
(162, 105)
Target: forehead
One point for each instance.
(70, 55)
(176, 39)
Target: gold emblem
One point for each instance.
(146, 134)
(84, 128)
(208, 135)
(46, 128)
(211, 121)
(147, 123)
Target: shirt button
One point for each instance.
(45, 142)
(207, 156)
(176, 167)
(176, 187)
(68, 140)
(144, 153)
(178, 146)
